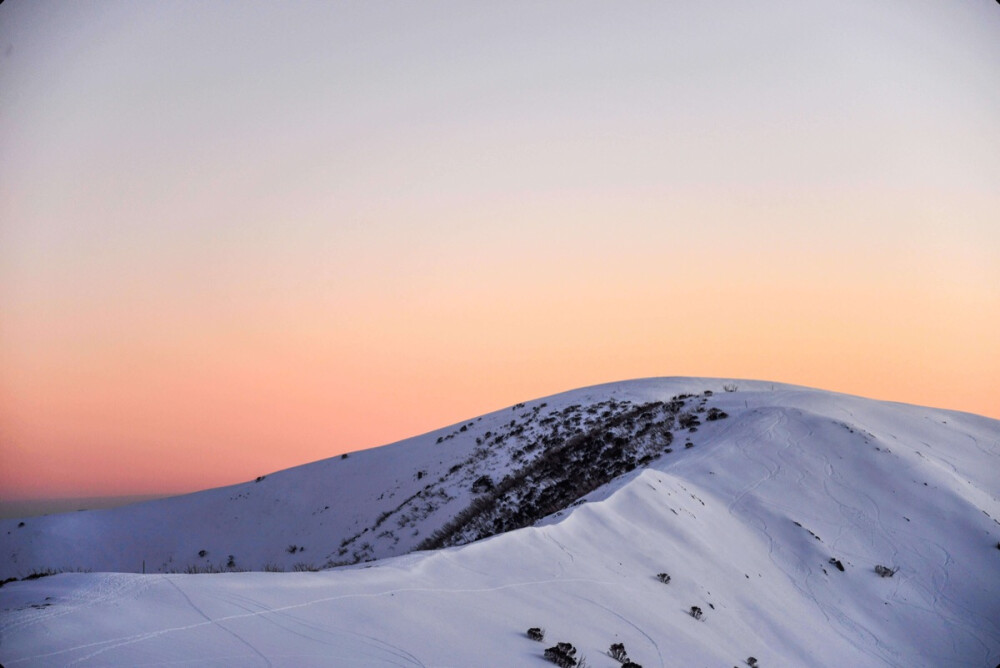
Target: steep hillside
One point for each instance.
(767, 531)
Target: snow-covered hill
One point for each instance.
(771, 522)
(375, 503)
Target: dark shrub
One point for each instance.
(696, 612)
(202, 553)
(536, 634)
(688, 420)
(39, 574)
(482, 484)
(617, 652)
(563, 655)
(663, 577)
(885, 571)
(716, 414)
(836, 562)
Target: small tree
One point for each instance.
(752, 662)
(696, 612)
(617, 652)
(663, 577)
(536, 634)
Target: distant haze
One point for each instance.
(49, 506)
(237, 238)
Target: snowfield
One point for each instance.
(770, 517)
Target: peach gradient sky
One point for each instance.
(238, 238)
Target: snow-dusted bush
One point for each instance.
(536, 634)
(695, 612)
(563, 655)
(752, 662)
(688, 420)
(716, 414)
(617, 652)
(663, 577)
(885, 571)
(482, 484)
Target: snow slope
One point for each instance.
(746, 522)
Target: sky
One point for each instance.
(238, 238)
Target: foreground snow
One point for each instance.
(745, 522)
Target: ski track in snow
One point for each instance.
(115, 643)
(860, 637)
(628, 621)
(111, 587)
(376, 644)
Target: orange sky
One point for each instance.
(329, 228)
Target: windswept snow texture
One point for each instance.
(753, 522)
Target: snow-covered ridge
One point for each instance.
(375, 503)
(771, 525)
